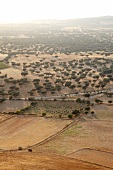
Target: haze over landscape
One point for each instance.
(27, 10)
(56, 85)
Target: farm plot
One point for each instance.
(55, 108)
(94, 156)
(41, 161)
(94, 134)
(27, 131)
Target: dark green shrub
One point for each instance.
(43, 114)
(70, 116)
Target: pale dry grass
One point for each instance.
(11, 72)
(87, 134)
(103, 111)
(3, 56)
(25, 131)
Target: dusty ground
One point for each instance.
(94, 156)
(12, 72)
(2, 56)
(103, 111)
(35, 161)
(25, 131)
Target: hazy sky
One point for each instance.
(23, 10)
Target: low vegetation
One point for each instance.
(3, 65)
(59, 109)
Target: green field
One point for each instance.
(3, 65)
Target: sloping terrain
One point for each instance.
(95, 156)
(87, 140)
(25, 131)
(103, 111)
(38, 161)
(94, 134)
(4, 117)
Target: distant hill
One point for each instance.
(87, 23)
(95, 22)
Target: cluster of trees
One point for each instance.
(50, 38)
(76, 75)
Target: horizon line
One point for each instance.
(51, 19)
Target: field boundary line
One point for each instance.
(45, 140)
(7, 119)
(92, 163)
(54, 135)
(90, 149)
(107, 152)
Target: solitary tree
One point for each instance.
(87, 95)
(75, 112)
(110, 101)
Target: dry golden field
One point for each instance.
(41, 161)
(22, 131)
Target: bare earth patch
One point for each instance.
(11, 72)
